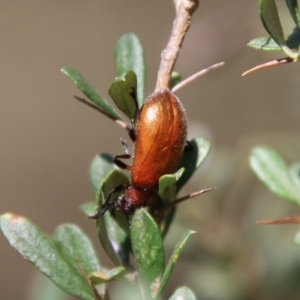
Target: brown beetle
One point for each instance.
(160, 137)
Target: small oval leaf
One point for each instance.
(107, 275)
(297, 238)
(270, 19)
(183, 293)
(88, 208)
(264, 43)
(167, 185)
(86, 88)
(38, 249)
(293, 40)
(100, 166)
(171, 264)
(271, 169)
(175, 79)
(192, 159)
(123, 93)
(112, 227)
(294, 10)
(129, 55)
(148, 251)
(74, 243)
(43, 288)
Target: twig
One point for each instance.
(184, 11)
(92, 287)
(195, 194)
(287, 220)
(119, 122)
(195, 76)
(269, 64)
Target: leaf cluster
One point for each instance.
(68, 258)
(276, 41)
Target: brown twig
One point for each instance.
(83, 273)
(184, 12)
(269, 64)
(195, 194)
(195, 76)
(119, 122)
(287, 220)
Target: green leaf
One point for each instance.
(105, 276)
(101, 165)
(148, 251)
(264, 43)
(270, 19)
(169, 269)
(75, 245)
(38, 249)
(123, 93)
(294, 10)
(167, 221)
(91, 92)
(43, 288)
(112, 227)
(271, 169)
(88, 208)
(294, 171)
(76, 248)
(175, 79)
(167, 185)
(192, 159)
(297, 238)
(129, 56)
(293, 40)
(183, 293)
(167, 191)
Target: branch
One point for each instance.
(184, 12)
(195, 76)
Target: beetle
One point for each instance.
(160, 136)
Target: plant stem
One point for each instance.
(195, 76)
(184, 11)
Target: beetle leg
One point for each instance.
(119, 163)
(188, 146)
(104, 208)
(117, 160)
(131, 131)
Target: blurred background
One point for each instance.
(48, 140)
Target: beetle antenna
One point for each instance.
(101, 211)
(195, 76)
(107, 204)
(192, 195)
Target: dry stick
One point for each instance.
(287, 220)
(89, 282)
(192, 195)
(269, 64)
(195, 76)
(119, 122)
(184, 11)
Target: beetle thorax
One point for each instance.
(132, 199)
